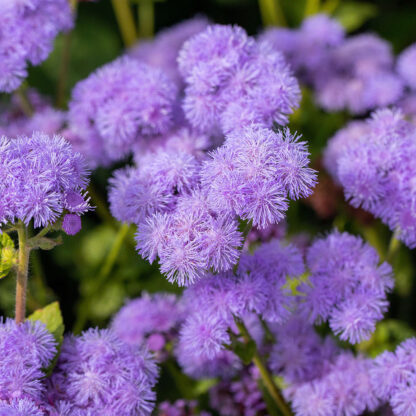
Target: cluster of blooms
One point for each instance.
(25, 350)
(162, 51)
(151, 319)
(233, 81)
(97, 373)
(355, 73)
(346, 286)
(239, 397)
(41, 178)
(257, 288)
(374, 162)
(14, 122)
(393, 376)
(187, 204)
(405, 67)
(117, 106)
(180, 408)
(27, 32)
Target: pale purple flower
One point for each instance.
(406, 66)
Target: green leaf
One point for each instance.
(8, 254)
(352, 14)
(245, 351)
(51, 316)
(45, 243)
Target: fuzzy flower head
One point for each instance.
(376, 170)
(27, 32)
(233, 80)
(116, 106)
(406, 65)
(347, 286)
(41, 178)
(97, 372)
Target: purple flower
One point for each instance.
(97, 372)
(40, 178)
(106, 117)
(346, 285)
(71, 224)
(20, 407)
(27, 33)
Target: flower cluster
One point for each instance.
(27, 32)
(25, 350)
(405, 64)
(233, 81)
(355, 73)
(151, 319)
(41, 178)
(180, 408)
(376, 169)
(346, 286)
(393, 376)
(116, 107)
(97, 373)
(187, 208)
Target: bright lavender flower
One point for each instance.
(344, 389)
(150, 319)
(117, 106)
(27, 33)
(25, 350)
(41, 178)
(376, 171)
(97, 372)
(406, 66)
(347, 286)
(163, 50)
(393, 376)
(20, 407)
(233, 81)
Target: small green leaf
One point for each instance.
(353, 14)
(245, 351)
(8, 254)
(51, 316)
(45, 243)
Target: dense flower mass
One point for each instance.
(375, 165)
(233, 81)
(97, 373)
(25, 350)
(393, 377)
(116, 107)
(347, 286)
(41, 178)
(354, 73)
(27, 32)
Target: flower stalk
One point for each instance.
(125, 21)
(266, 377)
(22, 273)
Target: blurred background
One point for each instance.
(92, 273)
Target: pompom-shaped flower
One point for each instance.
(347, 285)
(97, 372)
(118, 105)
(41, 177)
(27, 33)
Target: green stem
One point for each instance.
(22, 273)
(146, 18)
(24, 101)
(125, 21)
(85, 305)
(272, 13)
(264, 372)
(393, 248)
